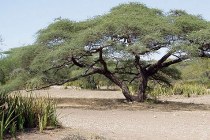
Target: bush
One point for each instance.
(179, 89)
(18, 113)
(189, 89)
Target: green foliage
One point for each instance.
(166, 76)
(18, 113)
(91, 82)
(187, 23)
(201, 36)
(17, 82)
(195, 71)
(2, 77)
(35, 82)
(163, 79)
(146, 23)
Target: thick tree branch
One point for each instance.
(164, 58)
(102, 60)
(166, 64)
(77, 63)
(154, 67)
(137, 63)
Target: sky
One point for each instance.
(21, 19)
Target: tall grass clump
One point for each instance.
(187, 90)
(18, 113)
(159, 90)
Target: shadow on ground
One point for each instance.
(104, 104)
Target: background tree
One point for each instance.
(195, 71)
(2, 76)
(117, 46)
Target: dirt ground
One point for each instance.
(60, 92)
(145, 125)
(57, 134)
(104, 114)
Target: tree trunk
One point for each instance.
(120, 84)
(126, 93)
(143, 80)
(141, 95)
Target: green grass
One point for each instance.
(18, 113)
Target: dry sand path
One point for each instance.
(140, 125)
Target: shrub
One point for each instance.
(189, 89)
(179, 89)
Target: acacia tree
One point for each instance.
(115, 45)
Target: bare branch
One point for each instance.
(58, 66)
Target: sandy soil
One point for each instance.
(69, 93)
(60, 92)
(118, 123)
(136, 125)
(57, 134)
(205, 99)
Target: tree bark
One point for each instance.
(120, 84)
(126, 93)
(141, 95)
(143, 80)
